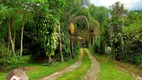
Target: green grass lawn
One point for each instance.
(109, 70)
(130, 68)
(3, 75)
(40, 71)
(78, 73)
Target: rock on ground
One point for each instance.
(16, 74)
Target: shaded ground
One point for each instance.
(71, 68)
(95, 68)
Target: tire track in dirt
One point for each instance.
(94, 70)
(55, 75)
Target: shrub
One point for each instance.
(8, 61)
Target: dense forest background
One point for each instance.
(54, 30)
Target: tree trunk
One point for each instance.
(71, 47)
(50, 59)
(14, 36)
(10, 37)
(60, 43)
(92, 40)
(62, 58)
(22, 31)
(7, 40)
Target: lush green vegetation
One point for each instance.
(80, 72)
(50, 31)
(36, 71)
(2, 75)
(121, 33)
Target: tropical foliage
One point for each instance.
(58, 28)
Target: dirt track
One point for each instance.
(69, 69)
(95, 68)
(90, 75)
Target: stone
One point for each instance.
(17, 74)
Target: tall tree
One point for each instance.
(60, 43)
(9, 17)
(57, 12)
(67, 13)
(93, 26)
(7, 41)
(24, 11)
(117, 12)
(47, 21)
(100, 14)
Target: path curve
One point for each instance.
(94, 70)
(69, 69)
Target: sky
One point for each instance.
(128, 4)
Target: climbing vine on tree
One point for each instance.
(47, 33)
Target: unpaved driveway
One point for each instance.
(69, 69)
(93, 71)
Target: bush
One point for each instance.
(66, 45)
(137, 58)
(8, 61)
(4, 53)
